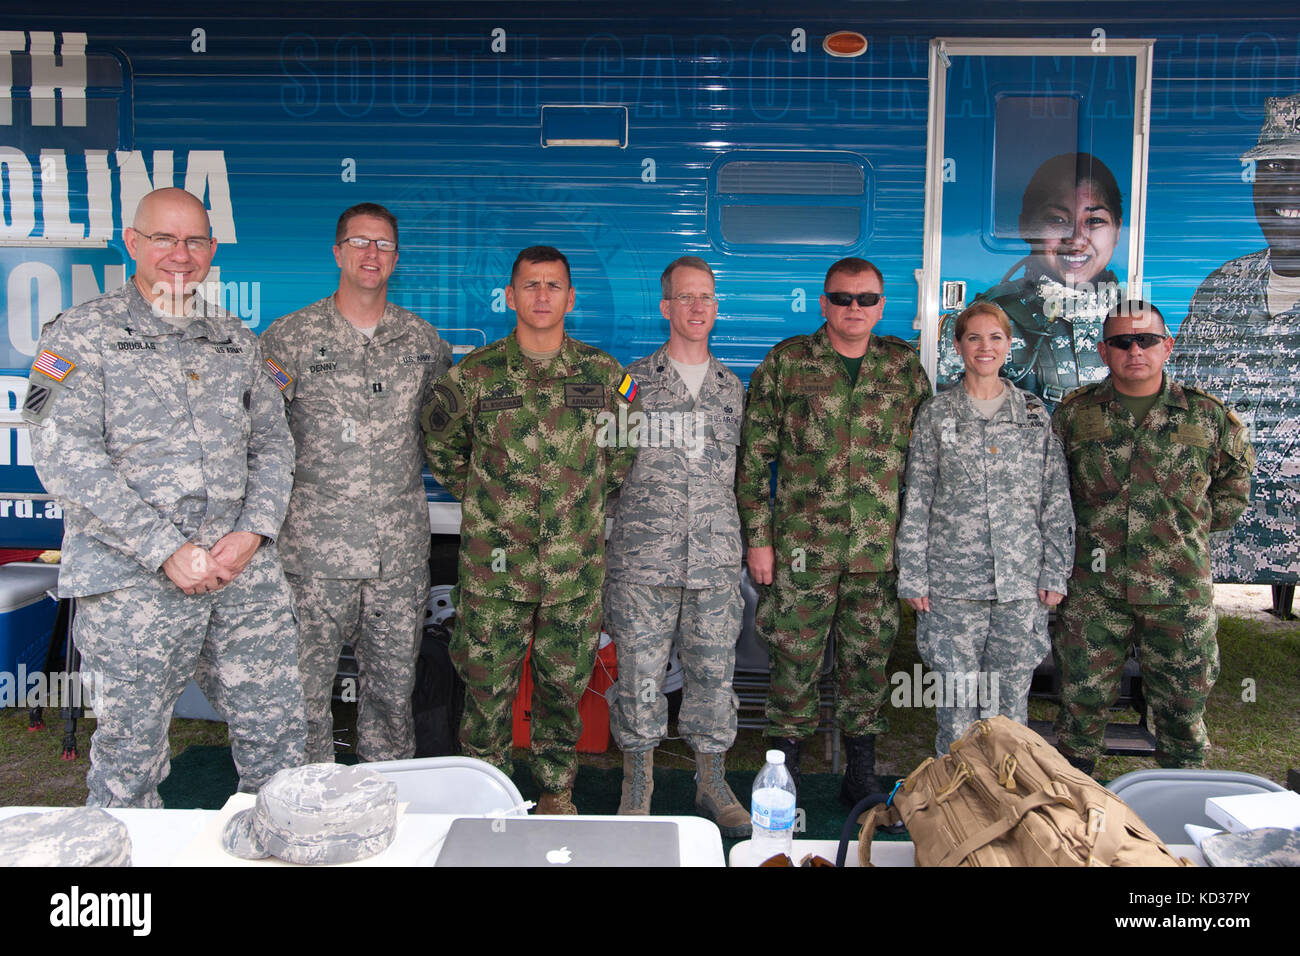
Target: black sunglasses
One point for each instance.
(864, 299)
(1147, 340)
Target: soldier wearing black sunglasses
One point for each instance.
(834, 410)
(1154, 468)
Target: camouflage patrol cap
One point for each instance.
(1266, 846)
(318, 813)
(79, 836)
(1280, 136)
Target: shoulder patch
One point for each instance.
(278, 375)
(628, 387)
(39, 401)
(447, 406)
(53, 366)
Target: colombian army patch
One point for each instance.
(627, 388)
(278, 376)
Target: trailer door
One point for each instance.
(998, 109)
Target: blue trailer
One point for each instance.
(771, 142)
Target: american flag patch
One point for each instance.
(52, 366)
(628, 387)
(278, 376)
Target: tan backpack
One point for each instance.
(1003, 796)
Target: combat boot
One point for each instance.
(792, 749)
(556, 804)
(860, 778)
(638, 783)
(715, 801)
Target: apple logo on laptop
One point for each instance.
(561, 856)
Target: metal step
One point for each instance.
(1121, 740)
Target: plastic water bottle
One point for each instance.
(772, 809)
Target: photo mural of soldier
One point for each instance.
(1241, 342)
(1070, 216)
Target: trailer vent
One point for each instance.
(768, 201)
(584, 126)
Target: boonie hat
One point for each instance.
(78, 836)
(318, 813)
(1280, 136)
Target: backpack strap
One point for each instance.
(982, 838)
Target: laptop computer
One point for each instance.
(560, 843)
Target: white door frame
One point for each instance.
(941, 48)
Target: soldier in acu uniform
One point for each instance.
(987, 536)
(673, 565)
(355, 371)
(513, 432)
(1154, 468)
(1241, 341)
(159, 428)
(834, 410)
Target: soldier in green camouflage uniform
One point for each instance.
(673, 565)
(519, 432)
(355, 371)
(1241, 340)
(1154, 468)
(158, 427)
(834, 410)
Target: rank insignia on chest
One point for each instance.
(584, 395)
(277, 375)
(53, 366)
(628, 387)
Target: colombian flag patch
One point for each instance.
(628, 387)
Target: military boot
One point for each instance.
(638, 783)
(792, 749)
(715, 801)
(556, 804)
(860, 778)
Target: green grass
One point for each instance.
(1260, 736)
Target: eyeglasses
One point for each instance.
(864, 299)
(362, 243)
(165, 243)
(1147, 340)
(687, 301)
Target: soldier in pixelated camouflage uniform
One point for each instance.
(514, 431)
(673, 561)
(834, 410)
(355, 371)
(163, 435)
(987, 537)
(1154, 468)
(1241, 341)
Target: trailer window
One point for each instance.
(766, 202)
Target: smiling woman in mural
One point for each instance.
(1070, 216)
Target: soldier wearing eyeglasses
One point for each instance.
(673, 560)
(156, 424)
(1155, 466)
(834, 410)
(355, 370)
